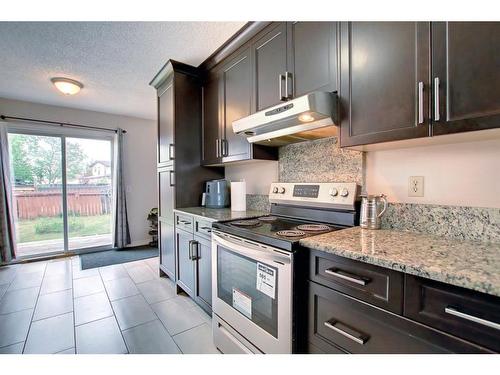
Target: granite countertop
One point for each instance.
(220, 214)
(472, 265)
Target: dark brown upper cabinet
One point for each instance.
(211, 129)
(270, 64)
(312, 57)
(466, 76)
(236, 102)
(165, 123)
(292, 59)
(227, 97)
(384, 81)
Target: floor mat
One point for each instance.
(109, 257)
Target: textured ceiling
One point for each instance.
(114, 60)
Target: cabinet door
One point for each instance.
(269, 62)
(167, 249)
(185, 265)
(166, 190)
(384, 81)
(204, 273)
(211, 153)
(313, 56)
(166, 123)
(466, 62)
(236, 82)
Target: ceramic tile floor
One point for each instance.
(55, 307)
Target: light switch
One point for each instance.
(416, 186)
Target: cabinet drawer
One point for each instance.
(338, 321)
(203, 228)
(379, 286)
(464, 313)
(184, 222)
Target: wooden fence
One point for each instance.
(83, 202)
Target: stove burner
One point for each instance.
(314, 227)
(291, 233)
(246, 223)
(268, 218)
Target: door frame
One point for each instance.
(62, 134)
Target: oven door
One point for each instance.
(251, 291)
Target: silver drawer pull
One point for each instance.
(347, 276)
(208, 229)
(358, 338)
(184, 222)
(472, 318)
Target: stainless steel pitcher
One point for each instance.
(371, 211)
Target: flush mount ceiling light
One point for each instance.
(67, 86)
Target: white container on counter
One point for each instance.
(238, 196)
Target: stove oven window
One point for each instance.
(237, 286)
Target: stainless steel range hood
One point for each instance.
(308, 117)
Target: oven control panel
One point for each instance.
(324, 194)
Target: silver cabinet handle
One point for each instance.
(420, 100)
(171, 151)
(171, 180)
(347, 276)
(437, 116)
(288, 89)
(217, 148)
(190, 249)
(208, 229)
(358, 338)
(193, 250)
(281, 78)
(225, 147)
(472, 318)
(184, 222)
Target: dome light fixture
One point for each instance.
(67, 86)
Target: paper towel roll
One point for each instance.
(238, 196)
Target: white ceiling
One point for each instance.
(114, 60)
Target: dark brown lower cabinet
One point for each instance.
(203, 274)
(338, 322)
(467, 314)
(185, 264)
(167, 249)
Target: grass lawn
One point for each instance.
(79, 226)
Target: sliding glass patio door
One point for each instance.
(62, 192)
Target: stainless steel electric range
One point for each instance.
(257, 263)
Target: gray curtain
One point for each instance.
(121, 232)
(7, 238)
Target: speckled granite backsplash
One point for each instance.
(320, 161)
(465, 223)
(324, 161)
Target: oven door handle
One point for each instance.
(252, 251)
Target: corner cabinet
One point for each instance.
(228, 97)
(179, 100)
(466, 76)
(384, 81)
(284, 60)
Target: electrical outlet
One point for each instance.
(416, 186)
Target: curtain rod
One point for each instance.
(57, 123)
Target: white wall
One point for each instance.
(460, 174)
(258, 175)
(139, 149)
